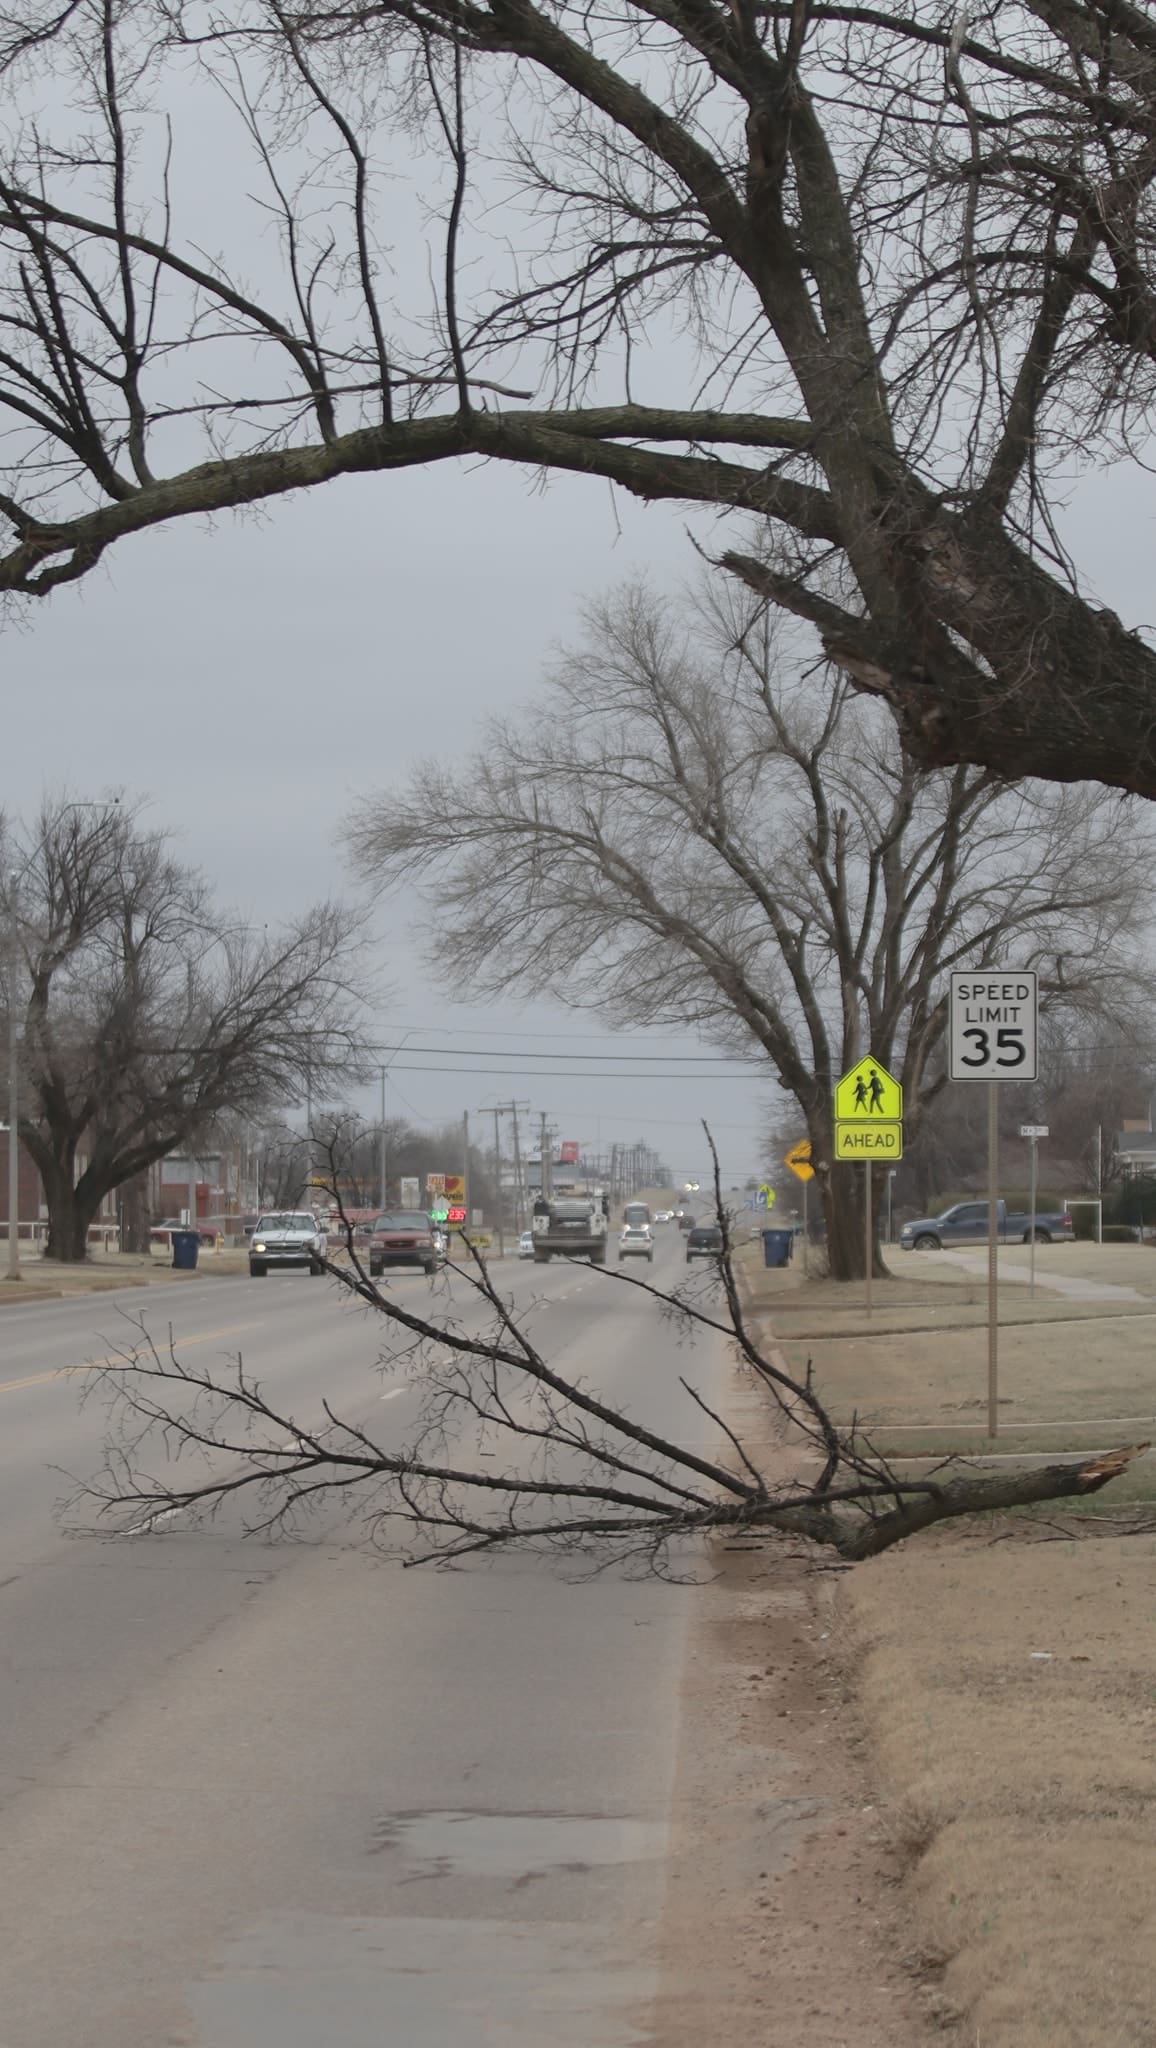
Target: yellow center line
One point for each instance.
(60, 1372)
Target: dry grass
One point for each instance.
(43, 1280)
(1019, 1788)
(1024, 1787)
(1073, 1374)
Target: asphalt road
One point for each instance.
(282, 1796)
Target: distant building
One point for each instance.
(1136, 1151)
(172, 1196)
(32, 1205)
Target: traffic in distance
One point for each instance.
(575, 1225)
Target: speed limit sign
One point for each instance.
(993, 1026)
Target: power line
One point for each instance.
(470, 1031)
(570, 1074)
(510, 1052)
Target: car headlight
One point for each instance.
(258, 1247)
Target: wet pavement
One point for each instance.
(285, 1797)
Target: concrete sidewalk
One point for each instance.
(1074, 1286)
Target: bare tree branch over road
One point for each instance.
(901, 267)
(568, 1470)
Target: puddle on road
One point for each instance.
(302, 1980)
(515, 1846)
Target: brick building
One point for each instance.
(32, 1207)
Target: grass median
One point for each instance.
(1004, 1671)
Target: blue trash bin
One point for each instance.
(186, 1244)
(777, 1247)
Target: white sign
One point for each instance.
(410, 1191)
(1033, 1130)
(993, 1025)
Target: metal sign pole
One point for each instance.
(867, 1228)
(993, 1258)
(806, 1229)
(1032, 1258)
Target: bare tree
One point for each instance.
(147, 1013)
(900, 261)
(686, 828)
(568, 1469)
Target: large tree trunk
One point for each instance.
(134, 1235)
(841, 1186)
(71, 1209)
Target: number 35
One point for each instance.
(1010, 1048)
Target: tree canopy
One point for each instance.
(685, 825)
(146, 1012)
(879, 281)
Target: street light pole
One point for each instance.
(13, 1090)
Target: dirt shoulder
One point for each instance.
(784, 1920)
(1008, 1693)
(1002, 1674)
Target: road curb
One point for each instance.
(87, 1293)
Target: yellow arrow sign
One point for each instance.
(868, 1094)
(799, 1160)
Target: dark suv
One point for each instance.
(405, 1237)
(705, 1241)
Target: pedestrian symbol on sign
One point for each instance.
(868, 1092)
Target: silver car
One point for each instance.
(286, 1237)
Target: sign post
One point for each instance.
(1033, 1133)
(992, 1037)
(992, 1258)
(868, 1126)
(799, 1161)
(869, 1252)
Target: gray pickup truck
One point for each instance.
(966, 1223)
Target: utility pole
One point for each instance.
(13, 1089)
(545, 1176)
(381, 1158)
(466, 1158)
(192, 1156)
(519, 1184)
(498, 1183)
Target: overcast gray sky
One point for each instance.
(251, 679)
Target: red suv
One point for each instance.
(403, 1238)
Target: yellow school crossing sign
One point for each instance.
(868, 1113)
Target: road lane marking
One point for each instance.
(60, 1372)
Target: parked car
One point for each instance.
(636, 1243)
(404, 1237)
(966, 1223)
(526, 1245)
(705, 1241)
(161, 1233)
(286, 1237)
